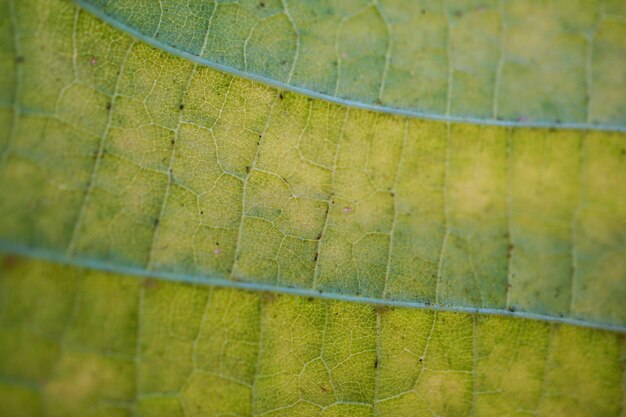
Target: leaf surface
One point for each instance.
(118, 156)
(124, 156)
(522, 62)
(115, 345)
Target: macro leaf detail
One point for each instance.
(419, 212)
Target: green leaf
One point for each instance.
(121, 157)
(525, 62)
(125, 157)
(78, 340)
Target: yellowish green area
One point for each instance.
(123, 154)
(523, 61)
(78, 342)
(120, 156)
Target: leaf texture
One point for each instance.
(523, 62)
(116, 155)
(122, 156)
(78, 342)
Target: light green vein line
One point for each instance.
(211, 280)
(314, 94)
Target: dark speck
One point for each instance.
(181, 107)
(280, 96)
(19, 59)
(247, 170)
(108, 106)
(376, 363)
(423, 11)
(261, 4)
(172, 141)
(156, 222)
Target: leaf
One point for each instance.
(117, 156)
(117, 345)
(127, 158)
(525, 62)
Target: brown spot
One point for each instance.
(9, 262)
(268, 297)
(150, 283)
(93, 61)
(347, 209)
(381, 309)
(324, 389)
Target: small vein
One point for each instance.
(17, 86)
(316, 271)
(245, 185)
(500, 64)
(574, 230)
(92, 178)
(297, 32)
(445, 216)
(394, 191)
(169, 171)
